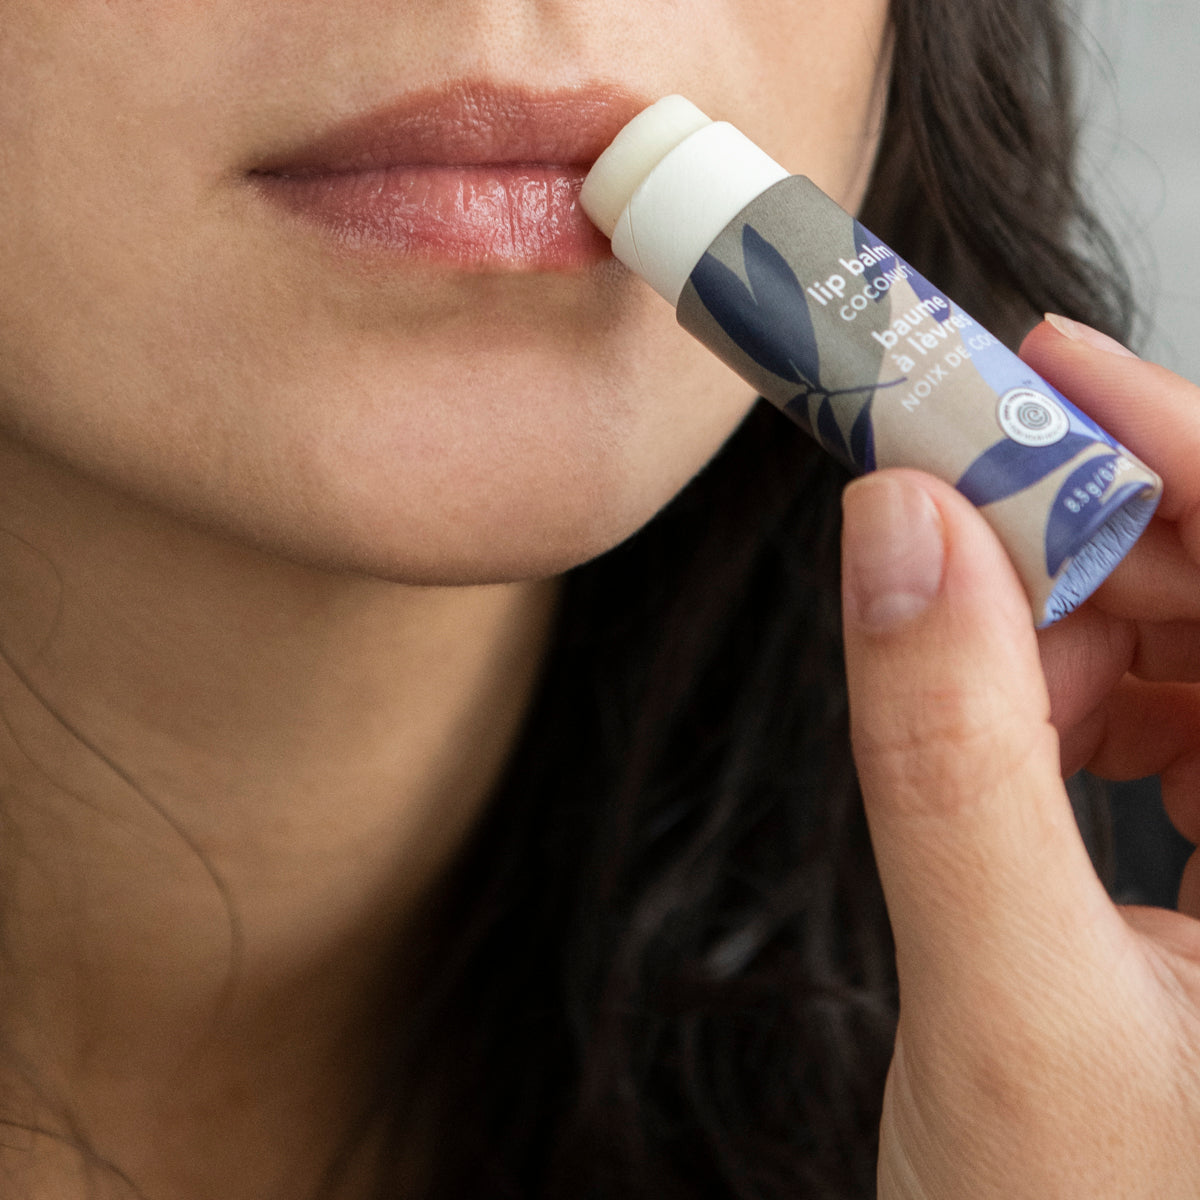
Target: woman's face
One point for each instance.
(279, 266)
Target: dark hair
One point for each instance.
(664, 967)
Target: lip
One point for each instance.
(476, 175)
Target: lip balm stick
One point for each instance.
(880, 367)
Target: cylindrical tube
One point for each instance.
(880, 367)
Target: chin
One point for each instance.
(505, 535)
(499, 466)
(472, 496)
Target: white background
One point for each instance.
(1140, 95)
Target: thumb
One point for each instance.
(974, 836)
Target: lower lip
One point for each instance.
(501, 216)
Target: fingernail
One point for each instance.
(1078, 332)
(893, 552)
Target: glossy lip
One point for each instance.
(475, 175)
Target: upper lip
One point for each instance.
(465, 124)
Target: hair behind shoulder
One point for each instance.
(667, 968)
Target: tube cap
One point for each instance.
(668, 184)
(633, 154)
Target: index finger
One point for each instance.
(1151, 410)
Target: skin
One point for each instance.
(1049, 1039)
(279, 534)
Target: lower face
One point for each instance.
(314, 276)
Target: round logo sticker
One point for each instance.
(1031, 418)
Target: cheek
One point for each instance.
(817, 103)
(482, 429)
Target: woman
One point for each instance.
(350, 849)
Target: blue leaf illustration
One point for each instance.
(1068, 532)
(1007, 467)
(770, 323)
(864, 240)
(862, 439)
(732, 306)
(781, 297)
(830, 432)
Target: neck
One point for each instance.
(229, 782)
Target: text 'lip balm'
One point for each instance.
(880, 367)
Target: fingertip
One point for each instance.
(1087, 335)
(893, 547)
(912, 543)
(1056, 334)
(1041, 343)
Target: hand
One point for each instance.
(1121, 670)
(1049, 1042)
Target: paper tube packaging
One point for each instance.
(880, 367)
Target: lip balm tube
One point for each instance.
(880, 367)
